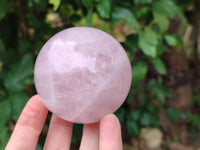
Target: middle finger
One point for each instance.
(59, 134)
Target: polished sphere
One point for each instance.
(82, 74)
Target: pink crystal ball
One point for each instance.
(82, 74)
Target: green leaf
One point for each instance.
(180, 42)
(88, 3)
(39, 5)
(181, 15)
(75, 17)
(76, 136)
(55, 3)
(103, 8)
(24, 45)
(4, 137)
(3, 8)
(132, 42)
(171, 40)
(165, 7)
(147, 48)
(193, 120)
(159, 92)
(142, 2)
(15, 78)
(162, 22)
(135, 115)
(120, 13)
(196, 99)
(5, 111)
(161, 48)
(124, 14)
(139, 72)
(18, 102)
(175, 114)
(159, 66)
(132, 127)
(130, 96)
(89, 17)
(148, 41)
(120, 113)
(144, 12)
(155, 122)
(145, 119)
(39, 147)
(144, 99)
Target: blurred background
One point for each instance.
(162, 40)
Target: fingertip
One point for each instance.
(36, 100)
(34, 113)
(90, 137)
(110, 133)
(60, 132)
(110, 118)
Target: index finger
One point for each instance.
(29, 126)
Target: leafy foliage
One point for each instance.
(175, 115)
(148, 41)
(103, 8)
(3, 8)
(139, 71)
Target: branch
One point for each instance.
(23, 21)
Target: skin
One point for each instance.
(104, 135)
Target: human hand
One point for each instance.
(105, 135)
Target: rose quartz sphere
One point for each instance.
(82, 74)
